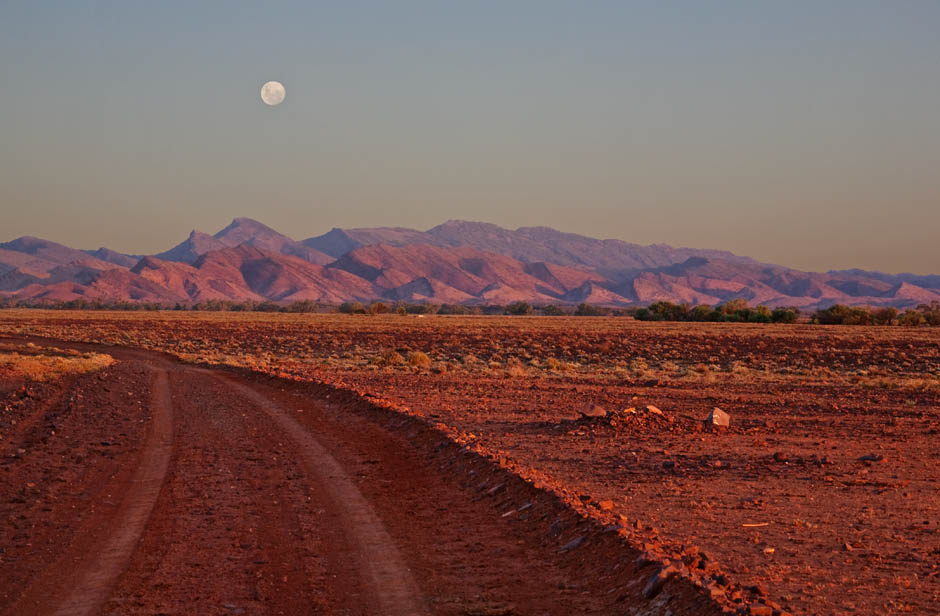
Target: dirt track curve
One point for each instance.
(170, 489)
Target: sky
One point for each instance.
(803, 133)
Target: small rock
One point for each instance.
(656, 583)
(718, 418)
(593, 410)
(647, 558)
(715, 591)
(652, 409)
(605, 505)
(573, 544)
(759, 609)
(872, 457)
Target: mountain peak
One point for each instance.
(243, 228)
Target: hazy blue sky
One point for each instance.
(805, 133)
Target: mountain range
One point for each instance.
(455, 262)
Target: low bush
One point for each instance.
(419, 359)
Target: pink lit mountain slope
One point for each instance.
(456, 262)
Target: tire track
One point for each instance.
(92, 574)
(384, 573)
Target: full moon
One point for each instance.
(273, 93)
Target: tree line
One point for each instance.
(732, 311)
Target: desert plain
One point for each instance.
(183, 462)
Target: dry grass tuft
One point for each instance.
(419, 359)
(43, 368)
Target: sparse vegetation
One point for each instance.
(733, 311)
(40, 365)
(389, 357)
(839, 314)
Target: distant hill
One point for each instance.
(526, 244)
(455, 262)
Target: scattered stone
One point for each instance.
(593, 410)
(605, 505)
(655, 411)
(759, 609)
(718, 418)
(872, 457)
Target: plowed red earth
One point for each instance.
(159, 488)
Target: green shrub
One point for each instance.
(884, 316)
(912, 318)
(519, 308)
(587, 310)
(352, 308)
(455, 309)
(553, 311)
(784, 315)
(702, 312)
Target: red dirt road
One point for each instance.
(159, 488)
